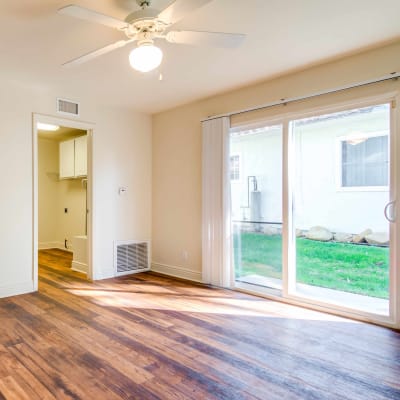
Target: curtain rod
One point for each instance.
(393, 75)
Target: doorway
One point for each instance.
(62, 194)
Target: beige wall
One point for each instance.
(48, 190)
(54, 196)
(121, 156)
(177, 150)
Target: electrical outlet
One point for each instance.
(185, 255)
(65, 210)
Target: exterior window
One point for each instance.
(365, 161)
(235, 167)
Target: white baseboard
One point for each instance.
(16, 289)
(177, 272)
(79, 267)
(52, 245)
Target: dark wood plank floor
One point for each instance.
(150, 337)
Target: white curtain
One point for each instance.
(216, 220)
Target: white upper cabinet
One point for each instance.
(73, 158)
(67, 159)
(81, 156)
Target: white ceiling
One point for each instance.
(282, 36)
(63, 133)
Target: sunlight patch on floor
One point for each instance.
(157, 299)
(126, 288)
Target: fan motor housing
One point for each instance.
(143, 3)
(147, 13)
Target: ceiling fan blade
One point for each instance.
(92, 16)
(96, 53)
(178, 10)
(215, 39)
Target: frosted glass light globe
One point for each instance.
(145, 57)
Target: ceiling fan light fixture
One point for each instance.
(145, 57)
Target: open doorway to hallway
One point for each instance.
(62, 196)
(62, 191)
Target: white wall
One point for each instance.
(177, 146)
(318, 197)
(260, 156)
(121, 156)
(71, 195)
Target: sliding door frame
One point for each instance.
(289, 294)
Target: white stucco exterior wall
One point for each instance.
(319, 198)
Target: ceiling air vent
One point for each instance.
(67, 107)
(131, 257)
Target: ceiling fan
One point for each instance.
(147, 24)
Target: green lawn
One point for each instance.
(342, 266)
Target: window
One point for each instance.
(235, 167)
(365, 161)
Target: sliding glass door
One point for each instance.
(340, 189)
(337, 236)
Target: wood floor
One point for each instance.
(149, 337)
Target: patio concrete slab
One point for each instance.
(344, 299)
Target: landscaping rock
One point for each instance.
(299, 233)
(360, 238)
(378, 238)
(343, 237)
(319, 233)
(271, 230)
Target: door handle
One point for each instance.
(392, 216)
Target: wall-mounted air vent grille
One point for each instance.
(131, 257)
(67, 107)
